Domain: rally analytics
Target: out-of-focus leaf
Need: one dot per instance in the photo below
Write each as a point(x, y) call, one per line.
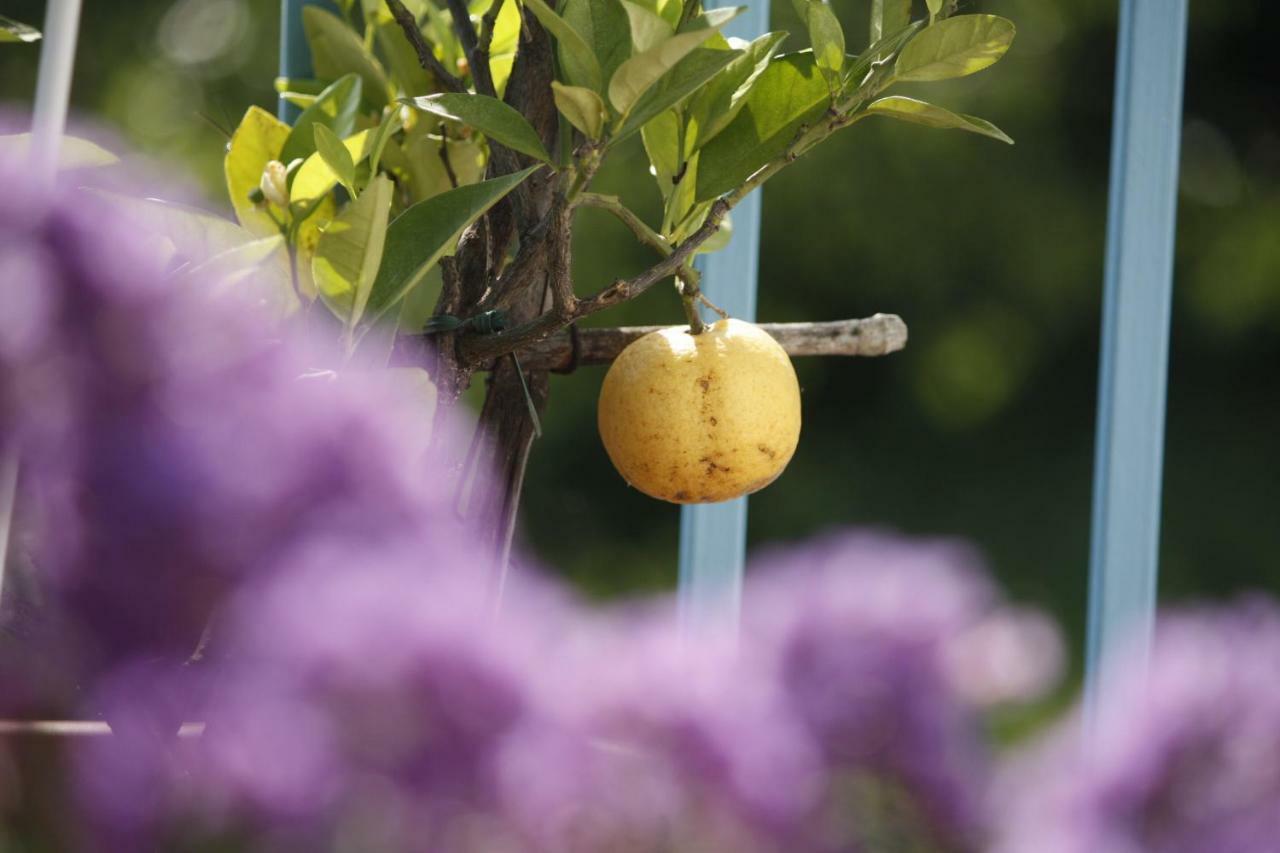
point(577, 58)
point(490, 116)
point(502, 48)
point(337, 108)
point(390, 124)
point(350, 249)
point(954, 47)
point(15, 31)
point(888, 16)
point(791, 92)
point(934, 6)
point(73, 152)
point(420, 236)
point(257, 140)
point(582, 107)
point(336, 50)
point(409, 76)
point(635, 76)
point(336, 156)
point(715, 105)
point(931, 115)
point(192, 234)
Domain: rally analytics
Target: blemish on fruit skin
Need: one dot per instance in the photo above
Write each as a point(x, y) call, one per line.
point(682, 496)
point(705, 383)
point(767, 450)
point(714, 422)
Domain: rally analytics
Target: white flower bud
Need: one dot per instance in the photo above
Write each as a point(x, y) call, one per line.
point(275, 183)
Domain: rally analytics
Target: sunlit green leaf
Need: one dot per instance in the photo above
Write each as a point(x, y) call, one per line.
point(336, 108)
point(931, 115)
point(390, 124)
point(336, 156)
point(257, 140)
point(715, 105)
point(954, 47)
point(790, 93)
point(661, 136)
point(604, 27)
point(420, 236)
point(635, 76)
point(687, 77)
point(826, 35)
point(888, 16)
point(648, 29)
point(934, 6)
point(582, 107)
point(315, 176)
point(503, 46)
point(14, 31)
point(350, 249)
point(492, 117)
point(336, 50)
point(577, 58)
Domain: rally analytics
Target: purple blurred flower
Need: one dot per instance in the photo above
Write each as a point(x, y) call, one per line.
point(1186, 762)
point(861, 631)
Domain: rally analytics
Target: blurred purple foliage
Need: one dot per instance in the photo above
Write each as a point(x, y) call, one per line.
point(189, 463)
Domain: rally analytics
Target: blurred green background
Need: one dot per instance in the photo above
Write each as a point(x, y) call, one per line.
point(983, 427)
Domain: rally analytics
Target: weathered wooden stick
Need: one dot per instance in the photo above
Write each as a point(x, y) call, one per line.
point(879, 334)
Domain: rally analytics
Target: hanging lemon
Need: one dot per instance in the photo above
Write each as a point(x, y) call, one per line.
point(701, 418)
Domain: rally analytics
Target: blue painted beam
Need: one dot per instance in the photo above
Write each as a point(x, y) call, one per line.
point(1129, 459)
point(295, 53)
point(713, 537)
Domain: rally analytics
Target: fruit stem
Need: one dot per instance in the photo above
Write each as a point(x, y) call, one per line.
point(689, 296)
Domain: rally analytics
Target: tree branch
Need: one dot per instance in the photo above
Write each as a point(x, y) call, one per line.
point(877, 335)
point(426, 56)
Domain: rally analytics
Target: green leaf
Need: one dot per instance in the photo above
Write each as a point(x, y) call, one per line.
point(635, 76)
point(605, 27)
point(420, 236)
point(661, 137)
point(390, 124)
point(888, 16)
point(336, 157)
point(503, 45)
point(791, 92)
point(689, 75)
point(315, 176)
point(14, 31)
point(411, 79)
point(582, 107)
point(257, 140)
point(935, 6)
point(73, 152)
point(336, 108)
point(931, 115)
point(350, 249)
point(336, 50)
point(493, 118)
point(648, 29)
point(855, 72)
point(230, 262)
point(826, 35)
point(578, 61)
point(715, 105)
point(954, 47)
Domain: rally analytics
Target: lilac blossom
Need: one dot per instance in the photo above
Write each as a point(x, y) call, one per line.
point(1187, 760)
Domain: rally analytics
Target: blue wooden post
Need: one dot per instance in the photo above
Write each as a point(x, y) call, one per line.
point(295, 54)
point(1135, 338)
point(713, 537)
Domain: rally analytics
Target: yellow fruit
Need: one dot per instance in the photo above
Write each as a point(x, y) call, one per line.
point(701, 418)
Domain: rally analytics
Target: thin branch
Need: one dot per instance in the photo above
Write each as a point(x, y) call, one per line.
point(426, 56)
point(878, 335)
point(642, 232)
point(471, 45)
point(444, 158)
point(484, 77)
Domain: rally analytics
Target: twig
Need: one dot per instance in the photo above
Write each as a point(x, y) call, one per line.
point(426, 56)
point(877, 335)
point(444, 158)
point(480, 70)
